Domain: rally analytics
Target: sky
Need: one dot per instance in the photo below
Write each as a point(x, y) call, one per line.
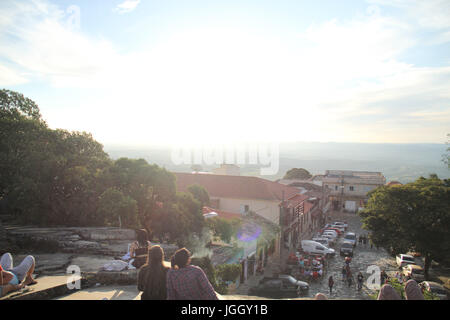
point(152, 72)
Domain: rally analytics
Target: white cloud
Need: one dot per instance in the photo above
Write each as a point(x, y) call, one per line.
point(430, 15)
point(10, 77)
point(127, 6)
point(42, 42)
point(339, 80)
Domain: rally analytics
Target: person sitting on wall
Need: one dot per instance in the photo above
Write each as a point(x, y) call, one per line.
point(139, 248)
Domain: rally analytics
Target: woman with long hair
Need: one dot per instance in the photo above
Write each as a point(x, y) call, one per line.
point(152, 276)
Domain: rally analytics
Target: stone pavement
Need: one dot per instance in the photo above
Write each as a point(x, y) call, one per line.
point(46, 287)
point(363, 257)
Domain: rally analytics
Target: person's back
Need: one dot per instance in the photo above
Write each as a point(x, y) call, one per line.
point(152, 276)
point(187, 282)
point(153, 289)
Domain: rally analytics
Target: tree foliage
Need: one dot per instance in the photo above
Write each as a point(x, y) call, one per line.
point(116, 209)
point(200, 194)
point(414, 216)
point(58, 177)
point(297, 173)
point(223, 228)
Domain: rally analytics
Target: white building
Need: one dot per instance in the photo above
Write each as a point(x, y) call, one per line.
point(349, 188)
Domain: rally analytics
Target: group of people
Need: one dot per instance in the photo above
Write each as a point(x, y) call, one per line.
point(179, 281)
point(310, 268)
point(363, 239)
point(160, 280)
point(15, 278)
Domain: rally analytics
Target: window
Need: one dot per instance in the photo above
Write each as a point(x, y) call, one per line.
point(319, 248)
point(351, 188)
point(335, 188)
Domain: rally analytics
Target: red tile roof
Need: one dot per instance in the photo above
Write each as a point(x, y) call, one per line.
point(222, 214)
point(236, 187)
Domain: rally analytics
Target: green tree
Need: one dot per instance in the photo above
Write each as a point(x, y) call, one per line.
point(114, 206)
point(148, 184)
point(221, 228)
point(414, 216)
point(200, 194)
point(297, 173)
point(15, 103)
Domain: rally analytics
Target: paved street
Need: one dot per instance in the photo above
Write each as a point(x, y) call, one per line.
point(363, 257)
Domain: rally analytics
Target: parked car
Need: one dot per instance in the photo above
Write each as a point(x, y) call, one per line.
point(309, 246)
point(338, 227)
point(279, 287)
point(331, 232)
point(339, 232)
point(412, 271)
point(331, 239)
point(350, 237)
point(326, 242)
point(290, 280)
point(341, 223)
point(331, 227)
point(404, 259)
point(347, 249)
point(435, 288)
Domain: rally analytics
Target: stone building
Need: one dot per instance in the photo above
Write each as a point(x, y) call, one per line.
point(349, 188)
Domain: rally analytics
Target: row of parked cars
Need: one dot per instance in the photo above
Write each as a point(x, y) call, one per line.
point(287, 286)
point(325, 239)
point(329, 234)
point(411, 270)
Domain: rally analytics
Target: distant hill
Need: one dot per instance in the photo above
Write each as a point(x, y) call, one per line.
point(402, 162)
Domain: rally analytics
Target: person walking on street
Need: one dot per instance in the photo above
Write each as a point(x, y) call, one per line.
point(383, 277)
point(330, 283)
point(349, 278)
point(344, 273)
point(360, 281)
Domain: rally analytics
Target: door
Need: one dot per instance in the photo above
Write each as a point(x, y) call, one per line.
point(350, 206)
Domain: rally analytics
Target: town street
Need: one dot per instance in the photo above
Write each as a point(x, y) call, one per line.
point(363, 257)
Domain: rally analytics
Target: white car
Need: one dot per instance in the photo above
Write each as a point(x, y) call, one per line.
point(435, 288)
point(330, 238)
point(404, 259)
point(332, 232)
point(339, 223)
point(326, 242)
point(314, 247)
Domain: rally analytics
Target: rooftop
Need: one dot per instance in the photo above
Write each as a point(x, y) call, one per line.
point(236, 187)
